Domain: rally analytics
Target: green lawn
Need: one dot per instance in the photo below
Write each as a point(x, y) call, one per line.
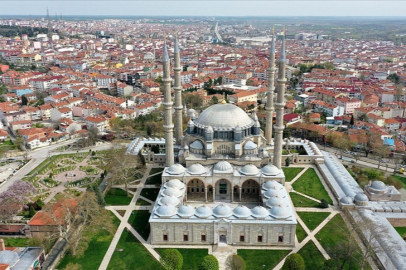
point(291, 172)
point(150, 193)
point(313, 219)
point(401, 231)
point(131, 254)
point(142, 202)
point(154, 180)
point(139, 221)
point(93, 255)
point(191, 257)
point(300, 233)
point(310, 184)
point(400, 179)
point(300, 201)
point(117, 196)
point(256, 258)
point(156, 170)
point(312, 256)
point(336, 234)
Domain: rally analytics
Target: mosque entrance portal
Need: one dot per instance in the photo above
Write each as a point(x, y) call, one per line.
point(223, 237)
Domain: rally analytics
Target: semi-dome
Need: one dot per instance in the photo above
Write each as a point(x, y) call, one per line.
point(275, 201)
point(203, 211)
point(260, 212)
point(250, 145)
point(220, 116)
point(172, 192)
point(346, 200)
point(197, 145)
point(242, 211)
point(280, 212)
point(222, 210)
point(272, 184)
point(166, 210)
point(174, 183)
point(196, 169)
point(270, 170)
point(169, 200)
point(378, 185)
point(175, 169)
point(186, 211)
point(249, 169)
point(223, 166)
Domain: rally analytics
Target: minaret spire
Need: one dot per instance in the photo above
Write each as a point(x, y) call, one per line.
point(168, 125)
point(178, 93)
point(270, 92)
point(279, 105)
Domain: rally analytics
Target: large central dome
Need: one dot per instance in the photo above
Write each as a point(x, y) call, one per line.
point(224, 116)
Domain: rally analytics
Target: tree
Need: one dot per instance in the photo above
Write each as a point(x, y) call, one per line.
point(235, 262)
point(294, 262)
point(24, 100)
point(399, 92)
point(323, 203)
point(171, 259)
point(352, 120)
point(19, 142)
point(382, 151)
point(214, 100)
point(209, 262)
point(329, 265)
point(394, 78)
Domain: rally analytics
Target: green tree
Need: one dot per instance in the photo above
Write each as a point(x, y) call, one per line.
point(171, 259)
point(294, 262)
point(352, 120)
point(235, 262)
point(32, 211)
point(209, 262)
point(24, 100)
point(214, 100)
point(394, 78)
point(323, 203)
point(329, 265)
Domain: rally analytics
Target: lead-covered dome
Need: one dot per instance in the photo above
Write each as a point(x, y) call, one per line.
point(275, 201)
point(260, 212)
point(378, 185)
point(223, 166)
point(280, 212)
point(186, 211)
point(272, 184)
point(174, 183)
point(222, 210)
point(196, 169)
point(270, 170)
point(220, 116)
point(249, 169)
point(175, 169)
point(242, 211)
point(169, 200)
point(203, 211)
point(166, 210)
point(172, 192)
point(274, 193)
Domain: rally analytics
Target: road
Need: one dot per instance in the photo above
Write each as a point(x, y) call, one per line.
point(39, 155)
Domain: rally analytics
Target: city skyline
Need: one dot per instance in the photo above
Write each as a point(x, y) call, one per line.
point(204, 8)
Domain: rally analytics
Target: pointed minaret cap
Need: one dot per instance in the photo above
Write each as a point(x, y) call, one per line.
point(273, 41)
point(282, 54)
point(176, 49)
point(166, 56)
point(224, 101)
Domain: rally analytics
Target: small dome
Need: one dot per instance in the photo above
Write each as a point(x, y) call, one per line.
point(361, 199)
point(169, 201)
point(203, 211)
point(275, 201)
point(272, 184)
point(346, 200)
point(175, 169)
point(222, 210)
point(260, 212)
point(223, 166)
point(270, 170)
point(186, 211)
point(280, 212)
point(174, 183)
point(166, 210)
point(242, 211)
point(172, 192)
point(378, 185)
point(196, 145)
point(274, 193)
point(249, 169)
point(250, 145)
point(196, 169)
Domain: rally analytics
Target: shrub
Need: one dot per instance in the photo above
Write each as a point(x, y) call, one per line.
point(209, 263)
point(235, 262)
point(323, 203)
point(329, 265)
point(294, 262)
point(171, 259)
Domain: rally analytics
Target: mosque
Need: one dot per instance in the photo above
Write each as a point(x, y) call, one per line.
point(227, 186)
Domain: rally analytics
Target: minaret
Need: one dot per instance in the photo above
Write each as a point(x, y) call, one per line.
point(168, 125)
point(270, 92)
point(178, 94)
point(279, 105)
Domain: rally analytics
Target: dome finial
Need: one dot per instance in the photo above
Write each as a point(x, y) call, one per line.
point(224, 99)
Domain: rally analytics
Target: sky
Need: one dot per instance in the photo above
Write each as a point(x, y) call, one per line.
point(206, 8)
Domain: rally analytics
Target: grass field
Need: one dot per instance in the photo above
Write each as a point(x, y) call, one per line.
point(310, 184)
point(142, 202)
point(313, 219)
point(156, 170)
point(154, 180)
point(300, 233)
point(401, 231)
point(139, 221)
point(131, 254)
point(400, 179)
point(300, 201)
point(191, 257)
point(255, 259)
point(312, 256)
point(117, 196)
point(291, 172)
point(150, 193)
